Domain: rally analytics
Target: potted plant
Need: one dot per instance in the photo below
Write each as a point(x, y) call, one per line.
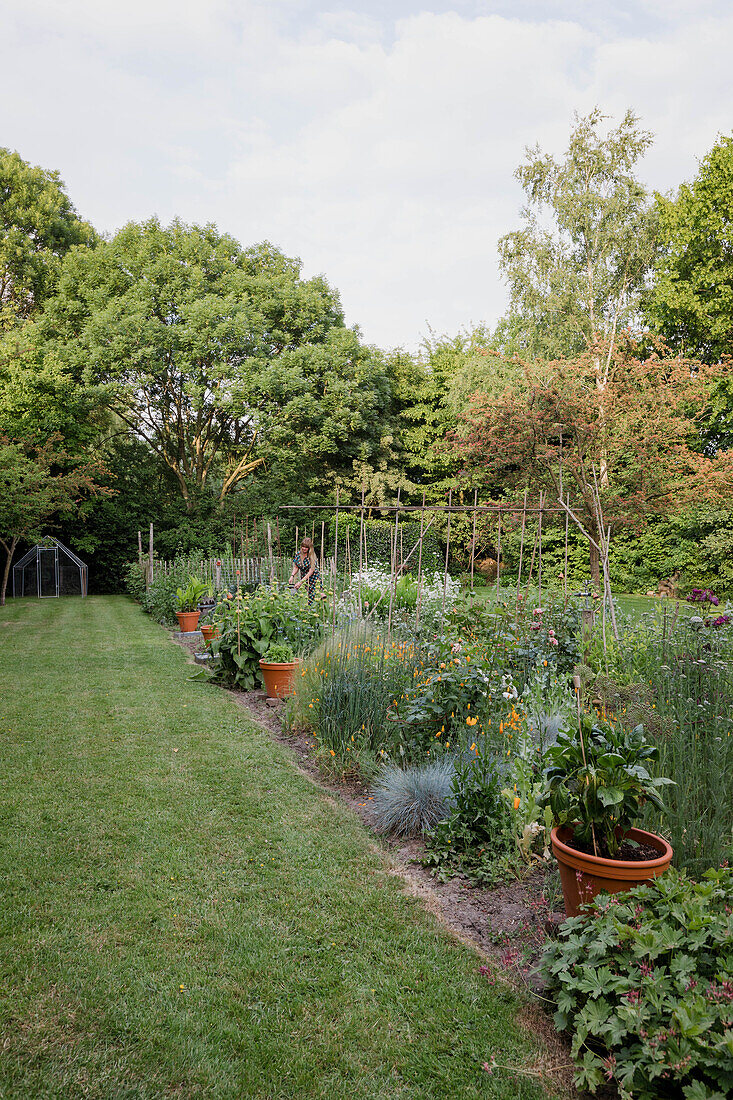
point(596, 785)
point(210, 627)
point(187, 604)
point(278, 670)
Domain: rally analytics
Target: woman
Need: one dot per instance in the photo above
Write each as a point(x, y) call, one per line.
point(305, 562)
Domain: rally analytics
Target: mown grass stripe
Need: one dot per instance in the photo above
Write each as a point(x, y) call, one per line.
point(186, 915)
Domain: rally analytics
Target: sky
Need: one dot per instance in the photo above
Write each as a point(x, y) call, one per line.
point(376, 140)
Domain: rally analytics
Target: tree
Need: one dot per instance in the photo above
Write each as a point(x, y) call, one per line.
point(644, 427)
point(575, 286)
point(577, 290)
point(37, 483)
point(431, 392)
point(38, 226)
point(216, 356)
point(691, 302)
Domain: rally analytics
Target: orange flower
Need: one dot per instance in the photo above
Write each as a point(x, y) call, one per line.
point(516, 802)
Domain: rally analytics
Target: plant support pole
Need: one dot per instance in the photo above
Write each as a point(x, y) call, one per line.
point(447, 552)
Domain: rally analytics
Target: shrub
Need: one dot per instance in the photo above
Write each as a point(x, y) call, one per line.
point(135, 581)
point(347, 688)
point(409, 801)
point(645, 986)
point(251, 623)
point(476, 838)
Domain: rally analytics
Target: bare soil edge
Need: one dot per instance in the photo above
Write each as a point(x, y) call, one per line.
point(485, 920)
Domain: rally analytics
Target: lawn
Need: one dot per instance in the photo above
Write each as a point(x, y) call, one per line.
point(186, 915)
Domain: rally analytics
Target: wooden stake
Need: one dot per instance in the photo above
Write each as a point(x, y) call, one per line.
point(498, 557)
point(335, 558)
point(521, 549)
point(361, 558)
point(269, 552)
point(539, 551)
point(473, 540)
point(140, 548)
point(394, 564)
point(419, 563)
point(447, 552)
point(150, 557)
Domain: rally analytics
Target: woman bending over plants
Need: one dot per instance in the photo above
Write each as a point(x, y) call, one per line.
point(305, 562)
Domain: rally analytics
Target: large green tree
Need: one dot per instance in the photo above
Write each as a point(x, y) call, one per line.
point(38, 483)
point(577, 267)
point(38, 226)
point(221, 358)
point(691, 302)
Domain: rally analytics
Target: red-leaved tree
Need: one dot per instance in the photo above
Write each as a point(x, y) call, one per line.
point(636, 441)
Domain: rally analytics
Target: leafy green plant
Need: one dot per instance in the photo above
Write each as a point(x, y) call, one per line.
point(452, 692)
point(597, 781)
point(476, 838)
point(644, 983)
point(281, 653)
point(188, 598)
point(408, 801)
point(135, 581)
point(678, 681)
point(250, 623)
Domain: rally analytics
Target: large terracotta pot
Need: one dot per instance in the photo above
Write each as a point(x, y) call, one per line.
point(279, 678)
point(188, 621)
point(583, 876)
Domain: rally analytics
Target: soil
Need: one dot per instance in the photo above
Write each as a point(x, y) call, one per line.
point(507, 925)
point(629, 851)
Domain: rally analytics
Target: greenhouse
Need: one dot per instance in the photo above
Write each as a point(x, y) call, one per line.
point(49, 570)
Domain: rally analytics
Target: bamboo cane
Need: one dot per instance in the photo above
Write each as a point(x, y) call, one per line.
point(394, 564)
point(419, 563)
point(447, 552)
point(473, 539)
point(335, 558)
point(361, 557)
point(521, 551)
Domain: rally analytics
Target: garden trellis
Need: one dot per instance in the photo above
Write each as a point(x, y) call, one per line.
point(262, 558)
point(49, 570)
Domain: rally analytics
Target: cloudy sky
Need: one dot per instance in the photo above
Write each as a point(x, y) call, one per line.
point(375, 139)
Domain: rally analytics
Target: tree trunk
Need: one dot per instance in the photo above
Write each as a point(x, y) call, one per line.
point(10, 550)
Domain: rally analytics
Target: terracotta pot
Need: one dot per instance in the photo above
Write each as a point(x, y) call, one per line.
point(188, 621)
point(209, 631)
point(279, 678)
point(583, 876)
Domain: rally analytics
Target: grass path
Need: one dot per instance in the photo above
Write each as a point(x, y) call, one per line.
point(185, 915)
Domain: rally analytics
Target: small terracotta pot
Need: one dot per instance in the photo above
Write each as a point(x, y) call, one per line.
point(188, 621)
point(279, 678)
point(583, 876)
point(209, 631)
